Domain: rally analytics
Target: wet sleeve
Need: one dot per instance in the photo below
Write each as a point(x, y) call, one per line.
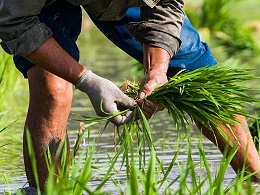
point(21, 32)
point(160, 25)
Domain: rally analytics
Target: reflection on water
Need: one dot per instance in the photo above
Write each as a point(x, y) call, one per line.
point(104, 59)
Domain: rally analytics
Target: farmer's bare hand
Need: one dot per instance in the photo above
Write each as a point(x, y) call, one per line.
point(149, 108)
point(153, 79)
point(156, 62)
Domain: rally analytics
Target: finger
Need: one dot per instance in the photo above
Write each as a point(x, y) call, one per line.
point(147, 115)
point(140, 102)
point(155, 106)
point(122, 119)
point(119, 119)
point(149, 108)
point(148, 88)
point(145, 91)
point(125, 101)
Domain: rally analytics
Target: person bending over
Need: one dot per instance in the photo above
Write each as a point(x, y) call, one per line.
point(42, 34)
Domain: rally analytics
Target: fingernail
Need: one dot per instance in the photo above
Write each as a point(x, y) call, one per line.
point(141, 95)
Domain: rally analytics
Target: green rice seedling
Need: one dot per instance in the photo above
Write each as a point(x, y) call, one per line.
point(4, 128)
point(166, 173)
point(89, 121)
point(6, 192)
point(150, 178)
point(4, 62)
point(241, 185)
point(216, 12)
point(72, 177)
point(132, 128)
point(11, 82)
point(186, 172)
point(210, 14)
point(213, 184)
point(196, 184)
point(254, 130)
point(237, 39)
point(217, 185)
point(131, 171)
point(206, 95)
point(203, 94)
point(210, 182)
point(108, 175)
point(221, 25)
point(184, 87)
point(138, 174)
point(145, 180)
point(33, 160)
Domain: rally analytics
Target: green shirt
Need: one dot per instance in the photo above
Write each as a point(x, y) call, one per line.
point(21, 31)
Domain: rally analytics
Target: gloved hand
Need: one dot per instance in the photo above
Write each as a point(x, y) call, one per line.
point(100, 89)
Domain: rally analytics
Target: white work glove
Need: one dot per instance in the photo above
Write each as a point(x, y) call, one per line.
point(113, 99)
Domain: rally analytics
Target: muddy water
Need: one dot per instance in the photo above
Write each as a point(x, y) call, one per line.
point(103, 58)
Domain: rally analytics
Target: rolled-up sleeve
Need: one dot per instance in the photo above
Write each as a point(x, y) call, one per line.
point(21, 32)
point(160, 25)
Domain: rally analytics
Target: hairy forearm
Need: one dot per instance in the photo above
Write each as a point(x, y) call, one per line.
point(156, 63)
point(155, 58)
point(53, 58)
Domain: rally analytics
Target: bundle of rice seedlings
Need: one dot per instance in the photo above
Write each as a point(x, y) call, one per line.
point(206, 94)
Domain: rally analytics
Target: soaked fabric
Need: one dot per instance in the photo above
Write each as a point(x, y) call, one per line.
point(192, 54)
point(65, 22)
